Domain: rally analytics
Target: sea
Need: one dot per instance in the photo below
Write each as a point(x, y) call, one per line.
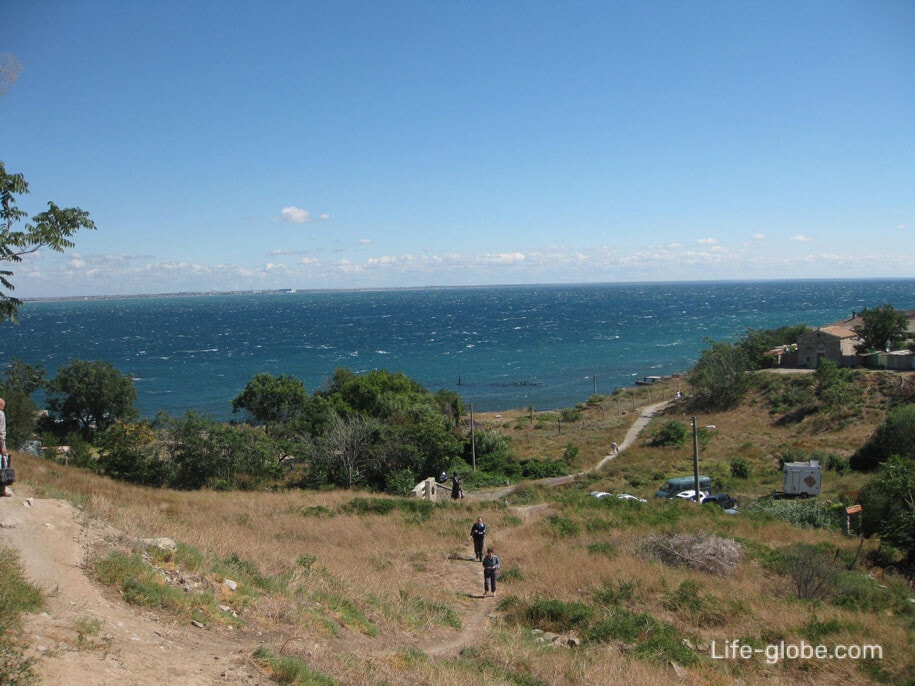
point(499, 347)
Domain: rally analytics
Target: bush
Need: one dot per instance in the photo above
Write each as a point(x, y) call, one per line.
point(836, 463)
point(557, 615)
point(804, 513)
point(740, 468)
point(698, 608)
point(654, 640)
point(16, 597)
point(672, 434)
point(812, 570)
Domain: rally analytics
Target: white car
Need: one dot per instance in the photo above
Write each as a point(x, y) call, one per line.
point(691, 495)
point(621, 496)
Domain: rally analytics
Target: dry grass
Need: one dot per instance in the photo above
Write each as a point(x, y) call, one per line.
point(401, 574)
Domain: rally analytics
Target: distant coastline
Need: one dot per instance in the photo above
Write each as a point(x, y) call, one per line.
point(429, 287)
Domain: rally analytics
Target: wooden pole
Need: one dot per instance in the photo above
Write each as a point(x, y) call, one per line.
point(473, 443)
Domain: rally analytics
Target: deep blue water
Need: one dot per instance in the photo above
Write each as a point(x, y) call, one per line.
point(499, 347)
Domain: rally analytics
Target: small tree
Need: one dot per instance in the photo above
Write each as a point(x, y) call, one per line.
point(272, 399)
point(888, 505)
point(671, 434)
point(896, 436)
point(20, 381)
point(90, 396)
point(717, 379)
point(881, 326)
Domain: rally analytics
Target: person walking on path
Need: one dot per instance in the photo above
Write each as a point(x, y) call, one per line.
point(478, 533)
point(490, 572)
point(4, 456)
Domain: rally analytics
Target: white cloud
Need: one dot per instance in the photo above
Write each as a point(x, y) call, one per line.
point(801, 238)
point(759, 236)
point(365, 241)
point(707, 241)
point(503, 258)
point(294, 215)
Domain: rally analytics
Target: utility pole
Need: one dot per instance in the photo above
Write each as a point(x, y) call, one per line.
point(696, 458)
point(473, 443)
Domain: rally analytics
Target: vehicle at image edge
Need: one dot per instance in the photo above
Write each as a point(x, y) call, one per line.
point(620, 496)
point(675, 486)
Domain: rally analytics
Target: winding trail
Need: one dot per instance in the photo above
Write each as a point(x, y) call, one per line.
point(645, 416)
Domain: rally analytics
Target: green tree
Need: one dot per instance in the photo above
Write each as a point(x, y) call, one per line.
point(895, 436)
point(718, 379)
point(131, 452)
point(52, 229)
point(451, 405)
point(20, 381)
point(90, 396)
point(272, 399)
point(880, 326)
point(671, 434)
point(888, 505)
point(757, 342)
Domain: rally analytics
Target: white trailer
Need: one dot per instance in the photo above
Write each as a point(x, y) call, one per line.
point(801, 479)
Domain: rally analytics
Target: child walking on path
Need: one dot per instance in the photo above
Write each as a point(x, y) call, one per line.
point(490, 572)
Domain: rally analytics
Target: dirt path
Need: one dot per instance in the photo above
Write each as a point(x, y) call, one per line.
point(82, 636)
point(86, 635)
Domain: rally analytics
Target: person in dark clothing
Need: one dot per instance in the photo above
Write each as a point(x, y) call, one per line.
point(478, 533)
point(490, 572)
point(456, 491)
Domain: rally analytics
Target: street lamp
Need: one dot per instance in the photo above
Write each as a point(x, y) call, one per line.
point(696, 458)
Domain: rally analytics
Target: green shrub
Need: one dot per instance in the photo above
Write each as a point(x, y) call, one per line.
point(654, 640)
point(740, 468)
point(17, 596)
point(836, 463)
point(605, 549)
point(815, 630)
point(672, 434)
point(803, 513)
point(511, 574)
point(557, 615)
point(610, 595)
point(696, 607)
point(291, 669)
point(563, 525)
point(541, 469)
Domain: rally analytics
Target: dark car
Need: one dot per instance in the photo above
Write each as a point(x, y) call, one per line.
point(723, 500)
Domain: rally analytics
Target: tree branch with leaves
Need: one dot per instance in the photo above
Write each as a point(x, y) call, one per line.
point(52, 229)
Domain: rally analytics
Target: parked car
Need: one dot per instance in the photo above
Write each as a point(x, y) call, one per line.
point(621, 496)
point(691, 495)
point(723, 500)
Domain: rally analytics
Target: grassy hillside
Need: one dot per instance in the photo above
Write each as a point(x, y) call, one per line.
point(352, 588)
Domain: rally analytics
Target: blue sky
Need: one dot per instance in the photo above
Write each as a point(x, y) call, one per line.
point(223, 145)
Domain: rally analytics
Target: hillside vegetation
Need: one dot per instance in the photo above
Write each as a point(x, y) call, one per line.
point(353, 587)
